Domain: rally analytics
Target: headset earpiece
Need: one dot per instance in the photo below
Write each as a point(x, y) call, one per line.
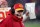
point(12, 11)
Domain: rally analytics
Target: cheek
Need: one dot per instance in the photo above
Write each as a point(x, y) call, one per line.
point(21, 13)
point(16, 12)
point(2, 5)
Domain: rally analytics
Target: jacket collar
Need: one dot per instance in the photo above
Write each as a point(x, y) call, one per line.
point(16, 18)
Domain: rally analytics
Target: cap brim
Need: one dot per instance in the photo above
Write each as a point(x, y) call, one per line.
point(19, 9)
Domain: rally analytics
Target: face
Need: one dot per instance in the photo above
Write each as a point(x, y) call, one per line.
point(4, 5)
point(18, 14)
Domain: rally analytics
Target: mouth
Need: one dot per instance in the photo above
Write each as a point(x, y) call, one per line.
point(18, 15)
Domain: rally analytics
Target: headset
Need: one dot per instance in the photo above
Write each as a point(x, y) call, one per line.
point(12, 10)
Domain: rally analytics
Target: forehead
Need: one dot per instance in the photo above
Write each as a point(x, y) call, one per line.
point(3, 3)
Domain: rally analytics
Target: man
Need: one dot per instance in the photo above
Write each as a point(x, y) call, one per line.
point(15, 18)
point(3, 4)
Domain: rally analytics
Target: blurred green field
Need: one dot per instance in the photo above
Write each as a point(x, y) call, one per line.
point(32, 24)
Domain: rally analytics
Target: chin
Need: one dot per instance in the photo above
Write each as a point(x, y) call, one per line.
point(19, 17)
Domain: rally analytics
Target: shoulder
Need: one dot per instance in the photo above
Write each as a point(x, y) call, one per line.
point(7, 19)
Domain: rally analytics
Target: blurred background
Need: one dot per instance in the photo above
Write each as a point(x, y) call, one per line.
point(28, 22)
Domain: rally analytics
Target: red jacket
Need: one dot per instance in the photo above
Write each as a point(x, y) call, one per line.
point(12, 21)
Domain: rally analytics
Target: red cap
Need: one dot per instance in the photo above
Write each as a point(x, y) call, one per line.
point(18, 7)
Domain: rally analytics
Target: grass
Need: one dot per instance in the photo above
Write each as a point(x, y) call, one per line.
point(32, 24)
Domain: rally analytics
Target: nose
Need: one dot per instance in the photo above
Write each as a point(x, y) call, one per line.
point(20, 12)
